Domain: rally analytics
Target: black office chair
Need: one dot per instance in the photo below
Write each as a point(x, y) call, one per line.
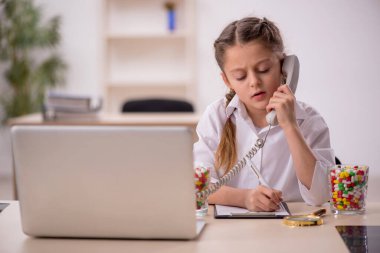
point(337, 161)
point(157, 105)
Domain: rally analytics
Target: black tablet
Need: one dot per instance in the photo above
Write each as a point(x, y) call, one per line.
point(360, 238)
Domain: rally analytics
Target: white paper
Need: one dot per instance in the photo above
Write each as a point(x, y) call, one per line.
point(232, 210)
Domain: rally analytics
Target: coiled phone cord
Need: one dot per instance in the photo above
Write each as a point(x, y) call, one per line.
point(235, 170)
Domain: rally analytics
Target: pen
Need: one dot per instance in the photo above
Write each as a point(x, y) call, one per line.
point(262, 180)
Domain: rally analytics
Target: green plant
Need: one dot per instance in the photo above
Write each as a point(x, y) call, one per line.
point(28, 61)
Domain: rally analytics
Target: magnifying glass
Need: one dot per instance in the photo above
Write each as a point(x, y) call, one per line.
point(311, 219)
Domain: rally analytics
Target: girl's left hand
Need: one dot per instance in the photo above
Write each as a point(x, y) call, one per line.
point(283, 102)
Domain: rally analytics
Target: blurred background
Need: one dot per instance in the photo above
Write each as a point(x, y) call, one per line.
point(126, 49)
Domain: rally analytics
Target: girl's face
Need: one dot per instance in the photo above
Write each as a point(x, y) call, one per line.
point(254, 73)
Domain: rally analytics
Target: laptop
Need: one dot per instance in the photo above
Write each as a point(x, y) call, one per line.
point(106, 181)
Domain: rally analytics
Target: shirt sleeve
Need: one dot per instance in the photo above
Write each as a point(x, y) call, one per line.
point(208, 129)
point(316, 134)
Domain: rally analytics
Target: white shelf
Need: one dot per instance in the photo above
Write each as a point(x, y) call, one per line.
point(142, 16)
point(142, 57)
point(143, 36)
point(130, 83)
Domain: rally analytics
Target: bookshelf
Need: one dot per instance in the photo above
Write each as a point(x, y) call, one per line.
point(142, 57)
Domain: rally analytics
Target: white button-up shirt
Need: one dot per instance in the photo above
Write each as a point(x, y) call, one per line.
point(277, 164)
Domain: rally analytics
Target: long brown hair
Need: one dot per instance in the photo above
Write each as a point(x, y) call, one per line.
point(241, 32)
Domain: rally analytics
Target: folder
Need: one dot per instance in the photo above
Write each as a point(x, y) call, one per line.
point(232, 212)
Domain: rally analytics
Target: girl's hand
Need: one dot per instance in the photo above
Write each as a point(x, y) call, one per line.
point(262, 199)
point(282, 102)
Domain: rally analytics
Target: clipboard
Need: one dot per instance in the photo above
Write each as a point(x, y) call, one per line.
point(231, 212)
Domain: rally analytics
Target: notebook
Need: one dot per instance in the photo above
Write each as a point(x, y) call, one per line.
point(232, 212)
point(106, 181)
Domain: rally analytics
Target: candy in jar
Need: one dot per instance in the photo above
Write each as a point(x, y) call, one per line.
point(202, 179)
point(348, 185)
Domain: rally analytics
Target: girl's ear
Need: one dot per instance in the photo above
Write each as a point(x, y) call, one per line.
point(225, 80)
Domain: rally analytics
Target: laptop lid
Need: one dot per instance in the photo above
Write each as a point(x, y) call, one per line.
point(105, 181)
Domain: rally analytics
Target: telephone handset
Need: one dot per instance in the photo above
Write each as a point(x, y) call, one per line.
point(291, 68)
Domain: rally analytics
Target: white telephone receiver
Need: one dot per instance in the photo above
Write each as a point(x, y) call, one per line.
point(291, 68)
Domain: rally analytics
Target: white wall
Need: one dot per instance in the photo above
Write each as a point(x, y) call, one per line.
point(81, 45)
point(336, 42)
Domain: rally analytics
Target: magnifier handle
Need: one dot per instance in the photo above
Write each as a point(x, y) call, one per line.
point(320, 212)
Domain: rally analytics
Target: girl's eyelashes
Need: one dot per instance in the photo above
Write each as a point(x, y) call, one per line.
point(240, 78)
point(265, 70)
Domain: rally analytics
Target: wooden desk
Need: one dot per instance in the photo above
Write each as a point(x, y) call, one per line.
point(230, 236)
point(125, 119)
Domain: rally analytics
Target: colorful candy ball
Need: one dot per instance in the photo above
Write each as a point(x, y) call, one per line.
point(348, 186)
point(202, 180)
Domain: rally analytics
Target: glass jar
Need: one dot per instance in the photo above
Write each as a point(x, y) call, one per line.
point(348, 188)
point(202, 180)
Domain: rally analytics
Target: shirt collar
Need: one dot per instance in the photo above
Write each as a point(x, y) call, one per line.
point(235, 103)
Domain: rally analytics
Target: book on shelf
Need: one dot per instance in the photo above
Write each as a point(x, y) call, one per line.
point(69, 116)
point(59, 106)
point(68, 101)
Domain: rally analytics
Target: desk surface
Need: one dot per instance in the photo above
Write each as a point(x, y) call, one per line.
point(229, 235)
point(146, 119)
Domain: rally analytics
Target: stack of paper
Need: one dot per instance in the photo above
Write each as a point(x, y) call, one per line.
point(59, 106)
point(237, 212)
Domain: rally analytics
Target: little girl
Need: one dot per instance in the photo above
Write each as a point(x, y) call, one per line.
point(297, 152)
